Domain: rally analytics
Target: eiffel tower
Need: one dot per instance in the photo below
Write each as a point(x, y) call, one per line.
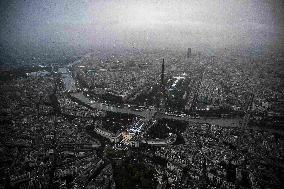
point(162, 103)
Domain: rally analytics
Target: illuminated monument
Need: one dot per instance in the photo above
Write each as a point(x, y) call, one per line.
point(162, 87)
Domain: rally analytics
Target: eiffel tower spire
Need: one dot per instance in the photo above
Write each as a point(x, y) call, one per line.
point(162, 87)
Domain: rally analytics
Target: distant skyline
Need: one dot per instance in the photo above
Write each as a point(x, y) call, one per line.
point(144, 24)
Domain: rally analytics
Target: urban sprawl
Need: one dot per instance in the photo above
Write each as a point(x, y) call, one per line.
point(147, 119)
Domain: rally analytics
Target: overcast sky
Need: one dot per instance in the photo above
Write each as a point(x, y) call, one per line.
point(142, 24)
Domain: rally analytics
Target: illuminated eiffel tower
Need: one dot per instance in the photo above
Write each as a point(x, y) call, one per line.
point(162, 89)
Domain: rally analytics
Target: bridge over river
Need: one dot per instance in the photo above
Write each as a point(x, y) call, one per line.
point(150, 113)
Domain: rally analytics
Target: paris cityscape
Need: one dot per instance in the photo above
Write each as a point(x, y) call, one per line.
point(122, 111)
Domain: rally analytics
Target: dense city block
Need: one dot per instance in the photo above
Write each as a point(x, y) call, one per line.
point(130, 120)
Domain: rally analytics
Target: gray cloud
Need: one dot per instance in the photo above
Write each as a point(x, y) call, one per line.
point(212, 23)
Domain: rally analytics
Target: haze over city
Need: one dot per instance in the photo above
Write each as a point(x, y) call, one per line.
point(128, 94)
point(204, 24)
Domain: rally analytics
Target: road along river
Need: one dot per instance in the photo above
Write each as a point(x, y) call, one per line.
point(71, 88)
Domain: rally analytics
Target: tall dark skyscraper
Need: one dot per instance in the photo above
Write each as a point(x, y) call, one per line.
point(188, 53)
